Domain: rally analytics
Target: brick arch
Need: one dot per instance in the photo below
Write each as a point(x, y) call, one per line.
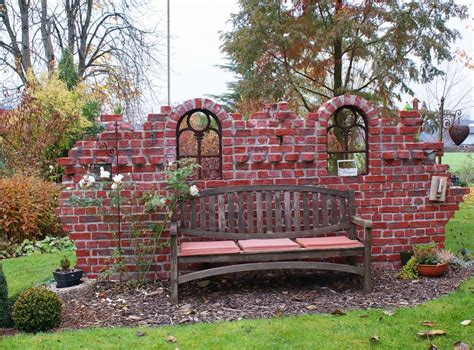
point(197, 103)
point(177, 112)
point(328, 108)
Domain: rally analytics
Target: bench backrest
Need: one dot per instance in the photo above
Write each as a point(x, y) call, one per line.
point(267, 212)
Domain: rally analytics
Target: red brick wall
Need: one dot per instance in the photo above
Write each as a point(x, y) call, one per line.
point(272, 147)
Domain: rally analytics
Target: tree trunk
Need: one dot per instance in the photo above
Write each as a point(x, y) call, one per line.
point(71, 12)
point(337, 88)
point(46, 35)
point(24, 6)
point(13, 47)
point(83, 40)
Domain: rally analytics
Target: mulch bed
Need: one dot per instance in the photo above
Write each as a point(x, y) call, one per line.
point(249, 295)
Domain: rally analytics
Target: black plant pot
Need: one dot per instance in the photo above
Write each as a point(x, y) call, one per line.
point(67, 279)
point(405, 256)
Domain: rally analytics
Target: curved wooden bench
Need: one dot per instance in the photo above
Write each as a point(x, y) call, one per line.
point(268, 227)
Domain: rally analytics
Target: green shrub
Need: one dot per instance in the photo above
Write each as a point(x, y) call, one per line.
point(27, 209)
point(409, 271)
point(47, 245)
point(37, 310)
point(4, 302)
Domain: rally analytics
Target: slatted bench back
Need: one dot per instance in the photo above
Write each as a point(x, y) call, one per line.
point(267, 212)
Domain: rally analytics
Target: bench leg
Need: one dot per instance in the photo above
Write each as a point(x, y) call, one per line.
point(174, 271)
point(368, 261)
point(174, 283)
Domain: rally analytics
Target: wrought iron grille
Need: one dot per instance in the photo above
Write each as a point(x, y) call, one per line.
point(348, 139)
point(199, 138)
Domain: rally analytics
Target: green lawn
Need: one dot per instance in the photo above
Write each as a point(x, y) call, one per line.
point(462, 223)
point(300, 332)
point(303, 332)
point(28, 271)
point(455, 160)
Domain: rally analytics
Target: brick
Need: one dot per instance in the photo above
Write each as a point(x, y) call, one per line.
point(291, 157)
point(241, 158)
point(111, 118)
point(66, 161)
point(274, 158)
point(308, 157)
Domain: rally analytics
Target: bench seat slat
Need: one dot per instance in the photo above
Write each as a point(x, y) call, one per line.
point(202, 213)
point(250, 212)
point(268, 211)
point(212, 213)
point(240, 212)
point(287, 211)
point(296, 209)
point(278, 211)
point(259, 212)
point(305, 211)
point(231, 212)
point(221, 213)
point(334, 216)
point(315, 210)
point(324, 211)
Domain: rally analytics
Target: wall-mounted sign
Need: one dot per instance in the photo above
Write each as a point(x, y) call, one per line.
point(346, 167)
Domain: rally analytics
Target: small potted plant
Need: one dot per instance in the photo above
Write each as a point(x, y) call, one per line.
point(431, 261)
point(65, 276)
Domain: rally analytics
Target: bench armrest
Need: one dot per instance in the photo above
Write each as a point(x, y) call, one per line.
point(361, 222)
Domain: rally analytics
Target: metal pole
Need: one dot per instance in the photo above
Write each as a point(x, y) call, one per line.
point(441, 124)
point(169, 63)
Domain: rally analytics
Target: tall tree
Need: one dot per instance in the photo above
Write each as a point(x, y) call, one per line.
point(307, 51)
point(111, 50)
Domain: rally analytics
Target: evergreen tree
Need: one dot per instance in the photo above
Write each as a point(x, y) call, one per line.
point(67, 70)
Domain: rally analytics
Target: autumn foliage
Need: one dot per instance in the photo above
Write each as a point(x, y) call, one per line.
point(42, 126)
point(27, 209)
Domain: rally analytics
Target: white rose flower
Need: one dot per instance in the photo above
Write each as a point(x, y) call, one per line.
point(104, 174)
point(194, 191)
point(114, 186)
point(118, 178)
point(82, 183)
point(51, 167)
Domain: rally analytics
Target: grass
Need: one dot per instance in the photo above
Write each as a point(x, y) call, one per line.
point(28, 271)
point(455, 160)
point(462, 225)
point(352, 331)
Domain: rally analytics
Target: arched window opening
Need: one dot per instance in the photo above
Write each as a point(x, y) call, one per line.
point(199, 138)
point(347, 139)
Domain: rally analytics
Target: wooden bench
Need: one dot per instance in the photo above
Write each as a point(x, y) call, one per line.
point(268, 227)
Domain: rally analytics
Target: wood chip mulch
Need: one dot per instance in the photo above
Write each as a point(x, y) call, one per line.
point(247, 295)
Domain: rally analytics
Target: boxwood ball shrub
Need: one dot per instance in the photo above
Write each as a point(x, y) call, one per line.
point(4, 302)
point(37, 310)
point(27, 209)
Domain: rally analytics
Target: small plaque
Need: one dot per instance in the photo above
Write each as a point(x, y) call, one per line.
point(346, 167)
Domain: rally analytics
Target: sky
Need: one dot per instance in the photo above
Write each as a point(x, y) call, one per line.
point(195, 50)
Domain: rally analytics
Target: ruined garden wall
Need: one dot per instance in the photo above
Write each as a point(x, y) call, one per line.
point(271, 147)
